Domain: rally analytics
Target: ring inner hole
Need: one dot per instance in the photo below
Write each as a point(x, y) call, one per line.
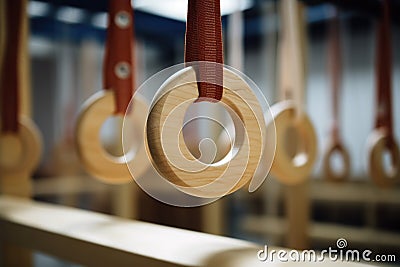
point(336, 162)
point(111, 138)
point(208, 131)
point(294, 146)
point(388, 163)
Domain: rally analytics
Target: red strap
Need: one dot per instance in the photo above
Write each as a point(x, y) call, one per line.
point(10, 81)
point(119, 54)
point(335, 65)
point(204, 43)
point(383, 71)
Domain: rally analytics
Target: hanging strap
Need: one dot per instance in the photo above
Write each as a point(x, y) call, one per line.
point(383, 72)
point(204, 43)
point(292, 53)
point(119, 53)
point(10, 82)
point(335, 64)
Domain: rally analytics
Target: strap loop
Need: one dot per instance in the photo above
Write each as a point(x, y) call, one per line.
point(119, 53)
point(10, 80)
point(204, 43)
point(384, 72)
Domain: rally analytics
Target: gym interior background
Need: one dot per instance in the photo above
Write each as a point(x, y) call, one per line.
point(66, 45)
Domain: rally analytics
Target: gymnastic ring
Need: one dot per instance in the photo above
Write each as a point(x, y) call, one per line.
point(173, 160)
point(284, 167)
point(20, 152)
point(331, 175)
point(103, 166)
point(377, 143)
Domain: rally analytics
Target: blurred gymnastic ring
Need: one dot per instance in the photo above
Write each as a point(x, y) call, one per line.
point(378, 143)
point(20, 152)
point(287, 169)
point(330, 174)
point(172, 158)
point(96, 160)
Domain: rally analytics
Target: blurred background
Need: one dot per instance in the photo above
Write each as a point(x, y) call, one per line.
point(66, 51)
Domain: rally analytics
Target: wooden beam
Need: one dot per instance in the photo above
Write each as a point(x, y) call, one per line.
point(268, 226)
point(353, 192)
point(95, 239)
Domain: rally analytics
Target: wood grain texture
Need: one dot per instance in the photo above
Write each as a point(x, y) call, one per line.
point(173, 159)
point(287, 169)
point(378, 143)
point(95, 159)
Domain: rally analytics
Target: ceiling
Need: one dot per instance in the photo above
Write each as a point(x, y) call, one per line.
point(77, 19)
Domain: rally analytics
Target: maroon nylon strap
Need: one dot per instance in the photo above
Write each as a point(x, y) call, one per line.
point(10, 82)
point(204, 43)
point(118, 71)
point(335, 65)
point(383, 72)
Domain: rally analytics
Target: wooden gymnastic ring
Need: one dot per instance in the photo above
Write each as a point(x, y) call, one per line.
point(377, 143)
point(172, 158)
point(331, 175)
point(95, 159)
point(283, 166)
point(20, 152)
